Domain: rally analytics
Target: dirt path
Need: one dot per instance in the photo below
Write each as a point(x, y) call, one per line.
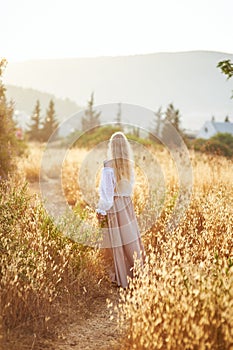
point(92, 329)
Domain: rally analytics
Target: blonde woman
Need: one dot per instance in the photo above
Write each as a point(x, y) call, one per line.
point(122, 237)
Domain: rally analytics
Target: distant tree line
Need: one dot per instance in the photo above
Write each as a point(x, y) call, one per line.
point(90, 122)
point(41, 129)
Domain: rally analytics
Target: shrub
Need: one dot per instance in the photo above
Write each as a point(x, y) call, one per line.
point(224, 138)
point(144, 142)
point(103, 133)
point(7, 130)
point(219, 144)
point(9, 145)
point(216, 147)
point(198, 143)
point(98, 135)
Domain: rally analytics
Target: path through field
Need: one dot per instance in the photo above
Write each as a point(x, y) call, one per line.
point(92, 329)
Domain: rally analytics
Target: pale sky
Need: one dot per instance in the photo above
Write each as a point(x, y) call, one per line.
point(31, 29)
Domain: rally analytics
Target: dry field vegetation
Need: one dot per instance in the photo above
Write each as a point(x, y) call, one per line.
point(44, 275)
point(183, 296)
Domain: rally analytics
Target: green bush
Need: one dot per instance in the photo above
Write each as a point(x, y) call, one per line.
point(198, 144)
point(98, 135)
point(224, 138)
point(217, 148)
point(144, 142)
point(219, 144)
point(9, 145)
point(103, 133)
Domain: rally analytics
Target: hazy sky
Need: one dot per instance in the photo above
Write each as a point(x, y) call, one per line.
point(32, 29)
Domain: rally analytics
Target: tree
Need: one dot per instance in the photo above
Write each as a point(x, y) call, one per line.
point(91, 118)
point(35, 128)
point(50, 123)
point(172, 115)
point(8, 141)
point(171, 121)
point(157, 125)
point(227, 120)
point(226, 67)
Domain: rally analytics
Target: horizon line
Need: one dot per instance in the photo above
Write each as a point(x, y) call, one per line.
point(115, 56)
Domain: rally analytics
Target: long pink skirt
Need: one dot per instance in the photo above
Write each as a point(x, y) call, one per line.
point(123, 238)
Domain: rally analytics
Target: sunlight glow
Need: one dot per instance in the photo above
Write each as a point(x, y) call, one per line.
point(74, 28)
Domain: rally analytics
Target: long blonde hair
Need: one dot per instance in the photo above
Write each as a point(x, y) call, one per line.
point(121, 156)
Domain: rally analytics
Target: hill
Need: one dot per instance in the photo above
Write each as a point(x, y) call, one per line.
point(25, 100)
point(188, 79)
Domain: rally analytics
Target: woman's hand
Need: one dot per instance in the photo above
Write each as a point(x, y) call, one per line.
point(102, 219)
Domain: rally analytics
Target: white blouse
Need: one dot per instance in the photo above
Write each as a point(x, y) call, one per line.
point(109, 188)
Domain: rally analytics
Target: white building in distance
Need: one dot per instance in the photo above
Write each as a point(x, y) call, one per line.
point(211, 128)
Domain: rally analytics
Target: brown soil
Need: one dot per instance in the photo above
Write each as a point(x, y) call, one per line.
point(83, 329)
point(93, 331)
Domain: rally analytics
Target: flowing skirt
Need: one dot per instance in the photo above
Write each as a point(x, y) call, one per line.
point(123, 239)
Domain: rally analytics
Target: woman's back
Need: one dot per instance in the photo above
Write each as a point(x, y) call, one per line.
point(122, 235)
point(122, 187)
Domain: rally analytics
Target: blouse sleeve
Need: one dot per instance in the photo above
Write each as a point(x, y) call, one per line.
point(106, 190)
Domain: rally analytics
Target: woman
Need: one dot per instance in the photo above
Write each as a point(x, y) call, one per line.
point(123, 237)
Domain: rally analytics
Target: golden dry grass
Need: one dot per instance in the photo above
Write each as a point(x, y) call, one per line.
point(42, 273)
point(183, 297)
point(29, 164)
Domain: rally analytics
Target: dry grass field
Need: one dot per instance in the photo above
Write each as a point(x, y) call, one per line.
point(183, 296)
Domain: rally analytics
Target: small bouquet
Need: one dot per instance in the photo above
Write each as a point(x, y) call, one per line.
point(102, 218)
